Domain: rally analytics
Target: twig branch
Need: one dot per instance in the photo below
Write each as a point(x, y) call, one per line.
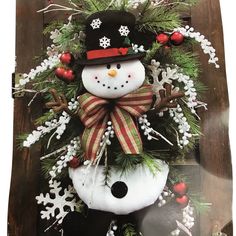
point(167, 98)
point(59, 104)
point(59, 8)
point(54, 153)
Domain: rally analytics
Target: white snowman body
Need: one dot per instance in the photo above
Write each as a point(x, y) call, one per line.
point(143, 187)
point(113, 81)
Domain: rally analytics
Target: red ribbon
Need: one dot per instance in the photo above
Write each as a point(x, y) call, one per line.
point(95, 113)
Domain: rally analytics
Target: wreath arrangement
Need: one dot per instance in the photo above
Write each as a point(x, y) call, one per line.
point(120, 84)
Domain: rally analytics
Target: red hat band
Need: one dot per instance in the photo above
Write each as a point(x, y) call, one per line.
point(103, 53)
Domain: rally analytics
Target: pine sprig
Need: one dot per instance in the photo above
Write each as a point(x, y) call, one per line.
point(126, 163)
point(157, 19)
point(187, 61)
point(53, 26)
point(129, 230)
point(45, 117)
point(107, 175)
point(199, 203)
point(152, 52)
point(96, 5)
point(20, 140)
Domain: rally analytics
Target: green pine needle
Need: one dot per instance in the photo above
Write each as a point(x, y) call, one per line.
point(187, 61)
point(129, 230)
point(126, 163)
point(45, 117)
point(158, 19)
point(20, 140)
point(152, 52)
point(200, 205)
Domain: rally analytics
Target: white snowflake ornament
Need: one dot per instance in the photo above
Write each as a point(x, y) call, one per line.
point(57, 202)
point(105, 42)
point(96, 23)
point(124, 30)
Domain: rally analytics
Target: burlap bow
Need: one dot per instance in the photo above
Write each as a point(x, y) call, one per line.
point(95, 113)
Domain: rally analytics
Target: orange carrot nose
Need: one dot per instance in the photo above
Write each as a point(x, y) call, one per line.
point(112, 73)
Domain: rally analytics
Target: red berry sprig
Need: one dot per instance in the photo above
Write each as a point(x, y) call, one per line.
point(182, 201)
point(67, 58)
point(63, 73)
point(66, 75)
point(181, 189)
point(175, 39)
point(74, 163)
point(162, 38)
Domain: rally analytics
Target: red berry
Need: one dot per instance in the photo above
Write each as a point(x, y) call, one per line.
point(69, 75)
point(59, 72)
point(162, 38)
point(176, 38)
point(180, 188)
point(66, 58)
point(74, 163)
point(183, 201)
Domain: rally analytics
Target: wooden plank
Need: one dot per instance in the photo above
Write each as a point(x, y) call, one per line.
point(216, 170)
point(25, 170)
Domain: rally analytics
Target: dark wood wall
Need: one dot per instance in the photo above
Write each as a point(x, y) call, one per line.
point(215, 174)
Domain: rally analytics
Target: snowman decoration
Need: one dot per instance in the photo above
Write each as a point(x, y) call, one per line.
point(117, 95)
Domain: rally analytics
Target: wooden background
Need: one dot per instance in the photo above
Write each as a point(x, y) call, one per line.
point(214, 175)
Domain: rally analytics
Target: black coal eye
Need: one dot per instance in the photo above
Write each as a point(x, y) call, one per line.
point(108, 66)
point(118, 66)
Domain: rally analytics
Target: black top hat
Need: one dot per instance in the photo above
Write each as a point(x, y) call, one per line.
point(107, 38)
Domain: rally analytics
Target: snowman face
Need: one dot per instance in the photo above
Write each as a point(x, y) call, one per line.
point(113, 80)
point(124, 193)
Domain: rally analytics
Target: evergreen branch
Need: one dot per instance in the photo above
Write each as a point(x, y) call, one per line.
point(129, 230)
point(52, 26)
point(157, 19)
point(45, 117)
point(187, 61)
point(107, 175)
point(19, 141)
point(126, 163)
point(199, 204)
point(152, 52)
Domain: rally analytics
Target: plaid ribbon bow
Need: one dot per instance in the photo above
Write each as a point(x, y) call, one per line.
point(95, 113)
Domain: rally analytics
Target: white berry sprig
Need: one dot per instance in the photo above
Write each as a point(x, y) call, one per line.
point(165, 196)
point(71, 152)
point(59, 125)
point(150, 132)
point(49, 63)
point(183, 126)
point(206, 45)
point(187, 223)
point(112, 228)
point(106, 140)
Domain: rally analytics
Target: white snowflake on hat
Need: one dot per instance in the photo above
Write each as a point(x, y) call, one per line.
point(124, 30)
point(96, 23)
point(105, 42)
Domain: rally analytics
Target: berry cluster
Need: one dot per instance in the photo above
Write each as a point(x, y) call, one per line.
point(180, 189)
point(175, 39)
point(64, 73)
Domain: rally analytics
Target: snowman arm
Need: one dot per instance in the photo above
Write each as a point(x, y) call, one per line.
point(59, 104)
point(168, 98)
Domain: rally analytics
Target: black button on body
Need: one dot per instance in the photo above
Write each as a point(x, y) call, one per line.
point(119, 189)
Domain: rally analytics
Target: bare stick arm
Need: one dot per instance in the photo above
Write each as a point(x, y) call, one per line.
point(59, 104)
